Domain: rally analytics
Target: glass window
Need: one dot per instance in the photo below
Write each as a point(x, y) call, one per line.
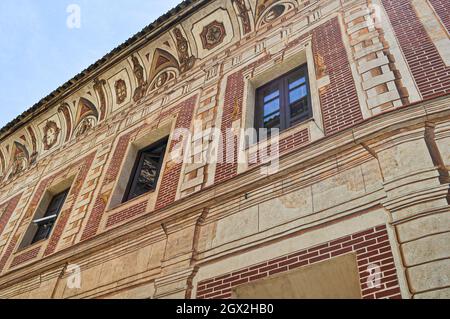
point(146, 170)
point(47, 222)
point(284, 102)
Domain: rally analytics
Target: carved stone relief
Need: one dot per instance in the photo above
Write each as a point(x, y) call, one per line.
point(51, 134)
point(121, 91)
point(213, 35)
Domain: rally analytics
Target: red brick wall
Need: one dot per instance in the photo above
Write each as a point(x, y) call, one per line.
point(339, 100)
point(27, 256)
point(74, 192)
point(427, 67)
point(371, 247)
point(171, 176)
point(9, 208)
point(84, 165)
point(442, 8)
point(111, 174)
point(286, 145)
point(126, 214)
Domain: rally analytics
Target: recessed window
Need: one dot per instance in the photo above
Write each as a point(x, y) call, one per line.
point(45, 224)
point(145, 174)
point(284, 102)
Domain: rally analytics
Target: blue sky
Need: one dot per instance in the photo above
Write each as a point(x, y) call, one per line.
point(38, 52)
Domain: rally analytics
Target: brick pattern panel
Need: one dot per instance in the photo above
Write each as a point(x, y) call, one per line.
point(371, 247)
point(6, 211)
point(111, 174)
point(339, 100)
point(25, 257)
point(427, 67)
point(171, 176)
point(232, 110)
point(75, 191)
point(7, 253)
point(85, 164)
point(286, 145)
point(126, 214)
point(442, 8)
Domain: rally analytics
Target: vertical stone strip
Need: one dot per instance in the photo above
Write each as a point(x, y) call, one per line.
point(381, 81)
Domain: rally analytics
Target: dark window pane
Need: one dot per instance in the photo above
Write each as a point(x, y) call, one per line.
point(54, 209)
point(146, 176)
point(299, 111)
point(146, 172)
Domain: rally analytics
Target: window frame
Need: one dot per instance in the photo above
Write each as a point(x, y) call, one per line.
point(282, 83)
point(45, 221)
point(137, 167)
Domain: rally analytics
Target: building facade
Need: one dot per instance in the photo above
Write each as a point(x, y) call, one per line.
point(141, 178)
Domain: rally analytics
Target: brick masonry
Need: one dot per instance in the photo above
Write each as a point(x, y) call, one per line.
point(84, 165)
point(171, 175)
point(6, 211)
point(429, 70)
point(339, 100)
point(111, 174)
point(286, 145)
point(371, 246)
point(442, 8)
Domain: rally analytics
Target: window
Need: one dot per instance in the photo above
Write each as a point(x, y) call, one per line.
point(284, 102)
point(47, 222)
point(147, 167)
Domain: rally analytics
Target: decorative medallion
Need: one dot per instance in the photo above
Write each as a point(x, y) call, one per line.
point(186, 61)
point(51, 133)
point(212, 35)
point(121, 91)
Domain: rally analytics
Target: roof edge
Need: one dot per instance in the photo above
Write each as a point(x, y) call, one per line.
point(148, 33)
